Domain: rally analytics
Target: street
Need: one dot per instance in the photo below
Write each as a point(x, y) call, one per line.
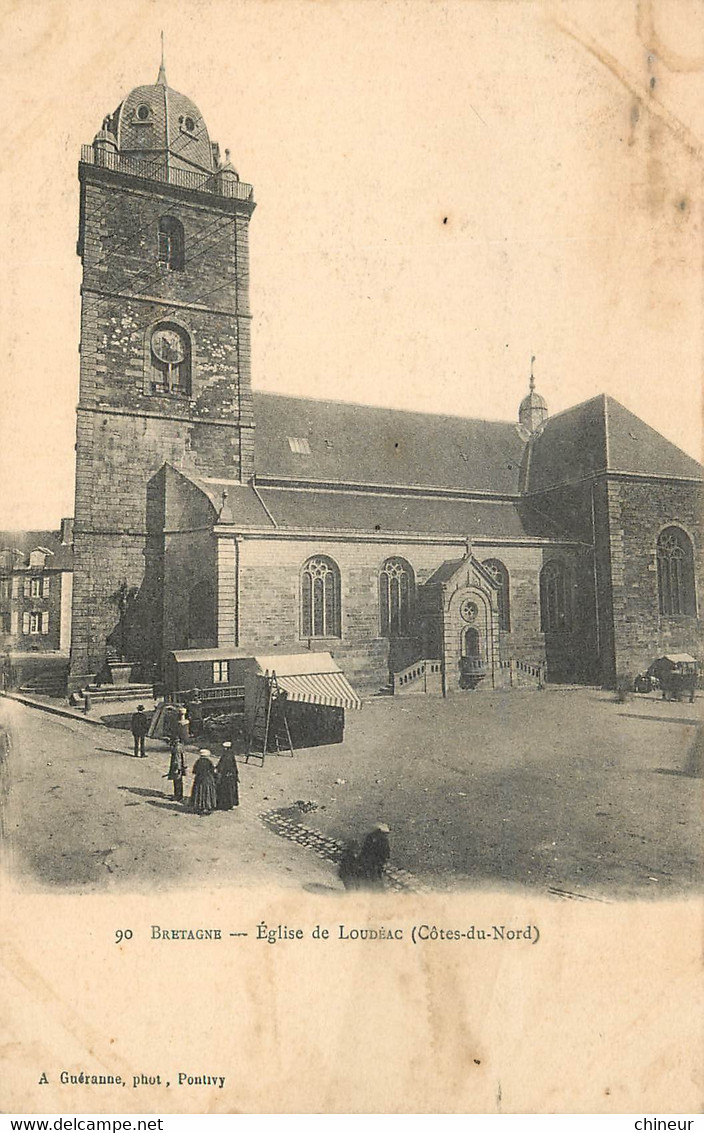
point(565, 791)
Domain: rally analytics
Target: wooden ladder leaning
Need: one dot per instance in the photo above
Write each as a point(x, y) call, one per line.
point(270, 723)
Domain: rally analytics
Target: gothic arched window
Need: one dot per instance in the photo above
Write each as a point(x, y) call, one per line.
point(499, 573)
point(171, 243)
point(554, 598)
point(320, 598)
point(396, 596)
point(170, 360)
point(676, 573)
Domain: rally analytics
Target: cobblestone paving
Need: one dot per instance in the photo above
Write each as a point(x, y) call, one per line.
point(280, 822)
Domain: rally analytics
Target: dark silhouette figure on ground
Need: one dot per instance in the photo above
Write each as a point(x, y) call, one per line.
point(365, 870)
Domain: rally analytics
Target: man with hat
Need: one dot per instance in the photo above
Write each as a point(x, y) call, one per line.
point(373, 856)
point(140, 727)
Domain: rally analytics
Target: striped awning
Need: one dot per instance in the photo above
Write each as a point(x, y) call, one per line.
point(331, 689)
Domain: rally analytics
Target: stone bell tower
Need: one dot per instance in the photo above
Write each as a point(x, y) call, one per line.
point(164, 354)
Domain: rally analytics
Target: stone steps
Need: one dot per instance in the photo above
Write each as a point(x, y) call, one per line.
point(101, 694)
point(55, 688)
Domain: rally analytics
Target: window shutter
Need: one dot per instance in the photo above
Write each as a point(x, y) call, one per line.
point(45, 621)
point(15, 622)
point(25, 623)
point(45, 586)
point(28, 588)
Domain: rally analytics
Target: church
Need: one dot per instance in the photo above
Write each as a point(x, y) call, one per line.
point(212, 516)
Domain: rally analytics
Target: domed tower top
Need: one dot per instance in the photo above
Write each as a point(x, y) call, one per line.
point(533, 411)
point(156, 124)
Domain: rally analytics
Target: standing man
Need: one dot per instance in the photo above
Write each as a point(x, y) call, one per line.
point(140, 727)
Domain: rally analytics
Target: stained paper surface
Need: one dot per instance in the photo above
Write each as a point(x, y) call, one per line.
point(443, 190)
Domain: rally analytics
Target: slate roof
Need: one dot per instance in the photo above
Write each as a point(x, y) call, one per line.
point(600, 435)
point(242, 506)
point(636, 447)
point(340, 443)
point(293, 509)
point(362, 444)
point(27, 541)
point(445, 571)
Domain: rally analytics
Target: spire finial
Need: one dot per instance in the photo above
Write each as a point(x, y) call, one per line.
point(532, 376)
point(161, 78)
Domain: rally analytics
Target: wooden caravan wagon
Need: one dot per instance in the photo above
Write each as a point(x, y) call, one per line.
point(213, 677)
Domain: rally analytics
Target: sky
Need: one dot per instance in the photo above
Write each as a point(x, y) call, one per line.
point(443, 191)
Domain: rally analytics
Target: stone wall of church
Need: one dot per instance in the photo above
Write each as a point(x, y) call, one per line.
point(581, 510)
point(638, 510)
point(269, 588)
point(103, 566)
point(190, 590)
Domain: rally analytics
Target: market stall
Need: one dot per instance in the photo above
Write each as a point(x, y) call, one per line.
point(303, 696)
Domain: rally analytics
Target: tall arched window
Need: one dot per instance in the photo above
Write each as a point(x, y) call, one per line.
point(498, 571)
point(170, 361)
point(320, 598)
point(396, 596)
point(554, 598)
point(676, 573)
point(171, 243)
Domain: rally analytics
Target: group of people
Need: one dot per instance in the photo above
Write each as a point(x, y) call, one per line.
point(215, 787)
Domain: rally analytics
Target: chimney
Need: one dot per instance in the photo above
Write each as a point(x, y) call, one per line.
point(67, 532)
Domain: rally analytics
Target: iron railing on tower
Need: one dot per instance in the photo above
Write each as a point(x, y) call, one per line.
point(215, 183)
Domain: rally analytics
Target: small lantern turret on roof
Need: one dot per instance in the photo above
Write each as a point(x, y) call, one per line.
point(533, 411)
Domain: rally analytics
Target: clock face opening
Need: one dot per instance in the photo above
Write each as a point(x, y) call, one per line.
point(168, 346)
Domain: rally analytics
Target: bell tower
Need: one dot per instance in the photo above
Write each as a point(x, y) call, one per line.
point(164, 352)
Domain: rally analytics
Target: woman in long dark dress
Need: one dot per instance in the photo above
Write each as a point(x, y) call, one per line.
point(204, 795)
point(228, 779)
